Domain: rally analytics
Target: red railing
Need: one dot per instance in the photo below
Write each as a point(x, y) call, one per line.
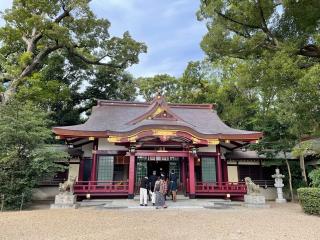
point(233, 188)
point(101, 187)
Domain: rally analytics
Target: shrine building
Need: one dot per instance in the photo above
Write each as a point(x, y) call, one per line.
point(122, 142)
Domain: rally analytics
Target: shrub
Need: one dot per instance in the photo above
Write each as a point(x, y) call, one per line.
point(310, 200)
point(314, 175)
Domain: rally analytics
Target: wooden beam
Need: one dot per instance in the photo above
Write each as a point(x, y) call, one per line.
point(149, 153)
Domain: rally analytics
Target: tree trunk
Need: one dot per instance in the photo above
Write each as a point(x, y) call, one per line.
point(303, 169)
point(290, 177)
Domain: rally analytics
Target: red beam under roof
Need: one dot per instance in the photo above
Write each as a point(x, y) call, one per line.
point(146, 153)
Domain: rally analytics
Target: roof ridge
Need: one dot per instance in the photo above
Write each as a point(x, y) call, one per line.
point(156, 107)
point(103, 102)
point(124, 103)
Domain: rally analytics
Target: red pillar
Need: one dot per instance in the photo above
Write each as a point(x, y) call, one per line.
point(225, 170)
point(219, 167)
point(192, 190)
point(81, 169)
point(93, 176)
point(131, 176)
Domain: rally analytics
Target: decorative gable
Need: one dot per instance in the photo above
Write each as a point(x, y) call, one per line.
point(158, 110)
point(163, 115)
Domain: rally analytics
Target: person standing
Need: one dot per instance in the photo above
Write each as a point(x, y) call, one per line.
point(162, 174)
point(159, 190)
point(167, 188)
point(163, 191)
point(156, 190)
point(173, 185)
point(144, 191)
point(152, 180)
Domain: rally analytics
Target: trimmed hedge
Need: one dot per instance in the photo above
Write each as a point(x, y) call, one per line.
point(309, 199)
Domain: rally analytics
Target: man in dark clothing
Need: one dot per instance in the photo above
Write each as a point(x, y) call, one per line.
point(173, 185)
point(144, 185)
point(162, 174)
point(152, 180)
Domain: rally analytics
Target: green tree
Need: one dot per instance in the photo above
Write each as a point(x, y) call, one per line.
point(109, 84)
point(35, 29)
point(268, 55)
point(163, 83)
point(277, 141)
point(197, 84)
point(24, 157)
point(245, 29)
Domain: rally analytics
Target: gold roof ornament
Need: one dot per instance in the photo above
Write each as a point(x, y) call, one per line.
point(213, 141)
point(195, 140)
point(132, 138)
point(160, 132)
point(114, 139)
point(158, 111)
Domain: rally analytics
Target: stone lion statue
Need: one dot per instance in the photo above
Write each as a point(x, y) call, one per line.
point(252, 188)
point(67, 185)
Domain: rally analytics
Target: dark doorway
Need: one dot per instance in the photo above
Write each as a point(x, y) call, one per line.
point(87, 169)
point(159, 166)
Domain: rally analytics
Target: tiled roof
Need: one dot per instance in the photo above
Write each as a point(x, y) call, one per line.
point(117, 117)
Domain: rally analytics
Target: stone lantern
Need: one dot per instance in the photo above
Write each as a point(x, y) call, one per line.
point(278, 178)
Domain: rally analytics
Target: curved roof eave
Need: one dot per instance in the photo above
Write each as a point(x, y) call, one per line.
point(223, 136)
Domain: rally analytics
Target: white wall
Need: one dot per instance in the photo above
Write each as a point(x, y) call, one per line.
point(210, 148)
point(233, 174)
point(87, 150)
point(103, 144)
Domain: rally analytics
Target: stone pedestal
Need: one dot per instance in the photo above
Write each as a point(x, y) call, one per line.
point(278, 200)
point(64, 200)
point(255, 201)
point(279, 185)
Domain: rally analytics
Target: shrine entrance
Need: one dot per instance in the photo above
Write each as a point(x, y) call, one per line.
point(159, 167)
point(146, 165)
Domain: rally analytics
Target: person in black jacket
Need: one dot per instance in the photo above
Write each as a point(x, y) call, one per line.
point(144, 191)
point(152, 180)
point(173, 185)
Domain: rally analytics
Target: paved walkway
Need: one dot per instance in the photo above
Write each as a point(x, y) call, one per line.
point(285, 221)
point(181, 203)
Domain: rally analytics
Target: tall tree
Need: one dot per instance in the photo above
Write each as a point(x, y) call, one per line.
point(162, 83)
point(56, 89)
point(24, 157)
point(245, 29)
point(34, 29)
point(278, 43)
point(270, 50)
point(197, 82)
point(105, 83)
point(278, 141)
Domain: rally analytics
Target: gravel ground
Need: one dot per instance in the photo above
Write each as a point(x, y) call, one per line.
point(278, 222)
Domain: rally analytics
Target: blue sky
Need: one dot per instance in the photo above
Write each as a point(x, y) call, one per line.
point(168, 27)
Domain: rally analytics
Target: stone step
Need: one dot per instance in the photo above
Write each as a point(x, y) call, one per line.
point(94, 202)
point(219, 200)
point(179, 197)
